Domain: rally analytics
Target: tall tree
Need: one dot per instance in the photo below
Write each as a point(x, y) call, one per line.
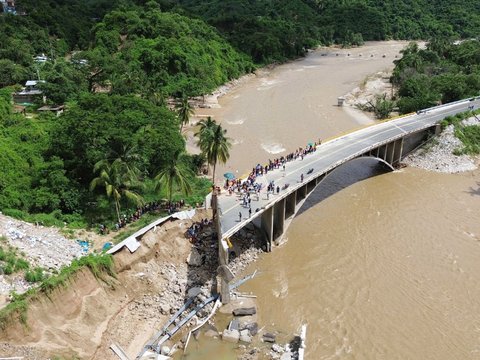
point(184, 111)
point(214, 143)
point(119, 180)
point(175, 173)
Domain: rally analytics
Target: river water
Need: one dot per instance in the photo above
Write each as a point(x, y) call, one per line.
point(384, 267)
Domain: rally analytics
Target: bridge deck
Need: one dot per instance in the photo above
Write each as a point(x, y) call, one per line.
point(328, 156)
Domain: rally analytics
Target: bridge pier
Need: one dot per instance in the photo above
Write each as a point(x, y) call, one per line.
point(390, 152)
point(267, 226)
point(382, 152)
point(397, 152)
point(311, 185)
point(278, 219)
point(290, 204)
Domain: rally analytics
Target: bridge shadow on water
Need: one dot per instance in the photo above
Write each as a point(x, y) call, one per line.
point(342, 177)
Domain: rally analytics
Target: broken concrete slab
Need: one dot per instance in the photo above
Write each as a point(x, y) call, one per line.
point(244, 311)
point(234, 325)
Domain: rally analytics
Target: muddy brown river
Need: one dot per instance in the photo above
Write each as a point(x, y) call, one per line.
point(384, 266)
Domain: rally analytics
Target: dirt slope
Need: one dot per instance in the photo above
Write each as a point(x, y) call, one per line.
point(87, 316)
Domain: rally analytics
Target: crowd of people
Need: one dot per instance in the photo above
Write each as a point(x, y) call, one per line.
point(249, 187)
point(125, 219)
point(193, 231)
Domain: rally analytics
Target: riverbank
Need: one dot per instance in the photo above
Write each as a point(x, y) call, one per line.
point(438, 154)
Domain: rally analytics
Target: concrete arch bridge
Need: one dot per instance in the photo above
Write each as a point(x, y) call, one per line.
point(388, 142)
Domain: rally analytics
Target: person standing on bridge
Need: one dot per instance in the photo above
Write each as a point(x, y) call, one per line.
point(240, 216)
point(301, 178)
point(249, 212)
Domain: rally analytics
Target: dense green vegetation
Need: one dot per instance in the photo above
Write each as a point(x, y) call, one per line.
point(468, 134)
point(441, 73)
point(277, 29)
point(116, 64)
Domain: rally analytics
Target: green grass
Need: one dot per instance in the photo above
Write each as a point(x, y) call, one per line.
point(16, 309)
point(11, 262)
point(35, 275)
point(97, 264)
point(137, 225)
point(55, 218)
point(468, 135)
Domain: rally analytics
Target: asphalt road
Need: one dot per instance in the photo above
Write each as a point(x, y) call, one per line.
point(328, 156)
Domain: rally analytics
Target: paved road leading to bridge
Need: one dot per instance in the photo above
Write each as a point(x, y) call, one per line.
point(328, 156)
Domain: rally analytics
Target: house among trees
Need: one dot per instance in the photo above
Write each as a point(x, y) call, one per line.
point(30, 94)
point(55, 109)
point(8, 7)
point(42, 58)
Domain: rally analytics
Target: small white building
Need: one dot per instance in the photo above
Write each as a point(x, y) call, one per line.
point(30, 93)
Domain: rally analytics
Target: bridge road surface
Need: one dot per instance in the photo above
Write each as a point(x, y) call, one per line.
point(328, 156)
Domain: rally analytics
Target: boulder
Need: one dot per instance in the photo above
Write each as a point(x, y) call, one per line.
point(245, 336)
point(278, 348)
point(195, 258)
point(244, 311)
point(165, 350)
point(231, 335)
point(252, 328)
point(269, 337)
point(193, 292)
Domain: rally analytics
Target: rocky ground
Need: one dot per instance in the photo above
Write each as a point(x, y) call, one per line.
point(438, 154)
point(41, 246)
point(375, 85)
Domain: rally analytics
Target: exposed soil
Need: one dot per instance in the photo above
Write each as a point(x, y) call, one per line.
point(89, 315)
point(86, 317)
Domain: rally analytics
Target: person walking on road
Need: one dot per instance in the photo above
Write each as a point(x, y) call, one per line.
point(301, 178)
point(240, 216)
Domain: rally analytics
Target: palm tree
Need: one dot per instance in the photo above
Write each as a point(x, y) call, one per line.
point(184, 111)
point(205, 132)
point(177, 173)
point(213, 142)
point(119, 180)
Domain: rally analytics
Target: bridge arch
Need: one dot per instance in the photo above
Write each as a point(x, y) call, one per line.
point(369, 172)
point(388, 142)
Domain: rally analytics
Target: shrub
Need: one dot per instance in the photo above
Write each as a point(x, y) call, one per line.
point(8, 269)
point(21, 264)
point(34, 276)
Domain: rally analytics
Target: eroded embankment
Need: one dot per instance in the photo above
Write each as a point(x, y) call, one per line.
point(85, 317)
